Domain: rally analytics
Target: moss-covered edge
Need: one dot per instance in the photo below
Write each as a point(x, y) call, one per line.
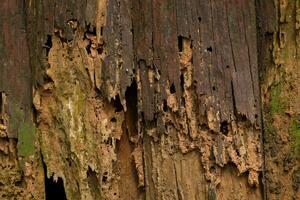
point(26, 131)
point(26, 139)
point(277, 103)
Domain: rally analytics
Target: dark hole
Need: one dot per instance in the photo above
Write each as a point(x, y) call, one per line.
point(209, 49)
point(18, 183)
point(212, 169)
point(100, 50)
point(227, 66)
point(165, 106)
point(131, 97)
point(172, 88)
point(182, 82)
point(238, 153)
point(104, 178)
point(101, 30)
point(93, 182)
point(203, 127)
point(69, 162)
point(131, 115)
point(88, 47)
point(213, 88)
point(242, 118)
point(48, 44)
point(113, 119)
point(54, 189)
point(256, 116)
point(47, 79)
point(91, 29)
point(180, 43)
point(224, 127)
point(108, 141)
point(199, 19)
point(117, 104)
point(49, 41)
point(88, 29)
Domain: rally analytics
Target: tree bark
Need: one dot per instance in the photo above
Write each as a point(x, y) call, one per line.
point(110, 99)
point(280, 88)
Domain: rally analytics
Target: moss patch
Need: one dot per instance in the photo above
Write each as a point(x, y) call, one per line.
point(277, 103)
point(17, 117)
point(26, 140)
point(295, 132)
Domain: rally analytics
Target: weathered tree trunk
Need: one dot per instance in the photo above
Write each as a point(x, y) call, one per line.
point(132, 99)
point(280, 94)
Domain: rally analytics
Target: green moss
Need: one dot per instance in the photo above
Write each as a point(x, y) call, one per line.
point(24, 130)
point(26, 139)
point(277, 102)
point(295, 132)
point(17, 118)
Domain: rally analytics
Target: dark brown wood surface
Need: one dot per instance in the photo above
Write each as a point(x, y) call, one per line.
point(15, 71)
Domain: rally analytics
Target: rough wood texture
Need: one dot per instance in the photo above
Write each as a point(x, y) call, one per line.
point(187, 64)
point(21, 176)
point(149, 99)
point(280, 96)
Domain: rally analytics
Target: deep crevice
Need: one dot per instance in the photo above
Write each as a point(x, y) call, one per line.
point(180, 43)
point(165, 106)
point(131, 115)
point(117, 104)
point(54, 189)
point(209, 49)
point(113, 120)
point(172, 88)
point(224, 127)
point(101, 30)
point(48, 44)
point(88, 47)
point(93, 182)
point(90, 29)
